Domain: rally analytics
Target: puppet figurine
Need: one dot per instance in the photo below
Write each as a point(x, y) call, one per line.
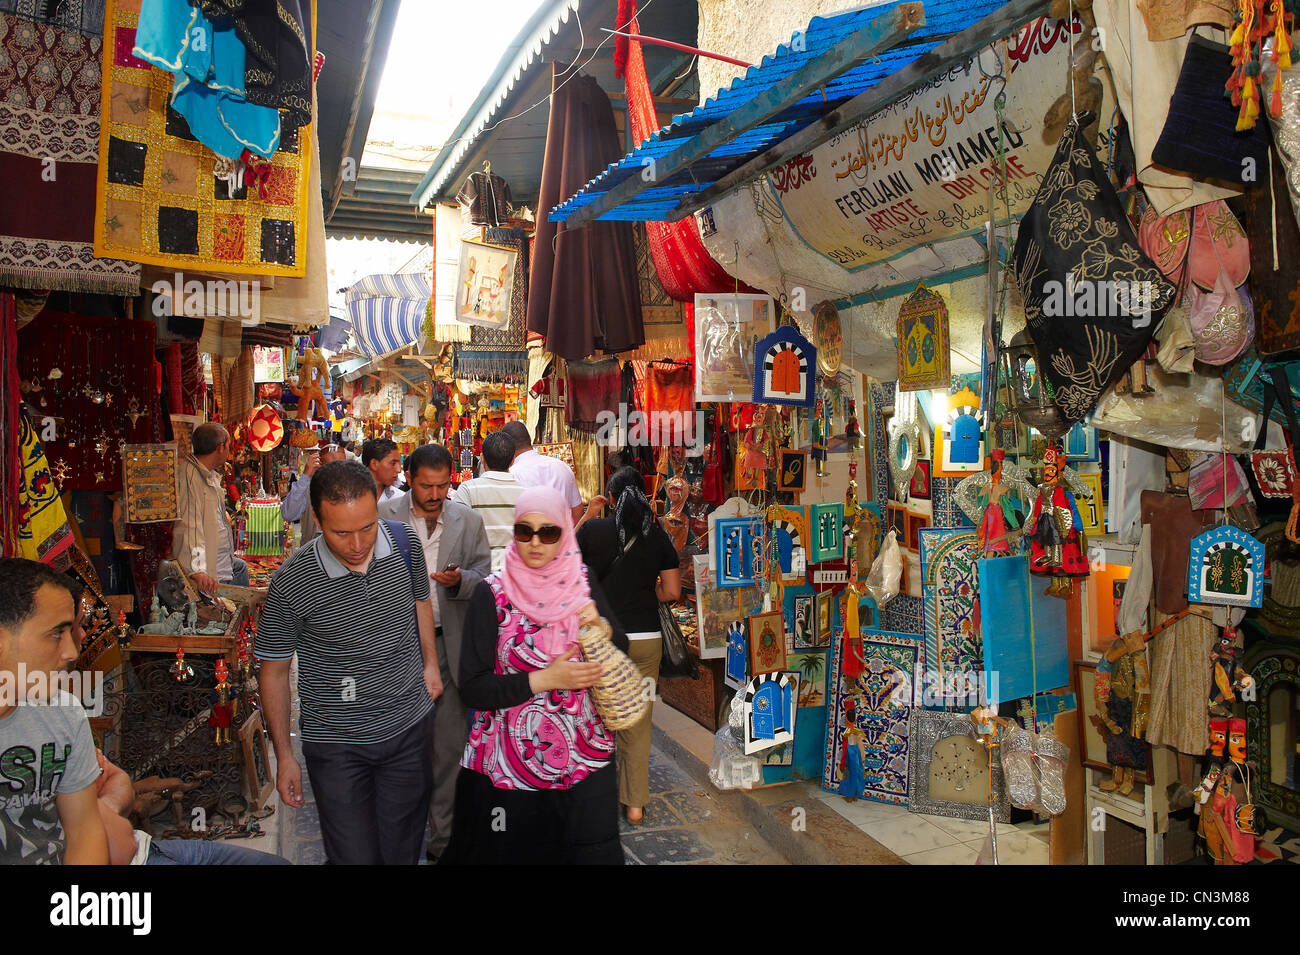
point(759, 446)
point(1229, 677)
point(852, 430)
point(1059, 545)
point(1122, 693)
point(853, 756)
point(675, 523)
point(313, 374)
point(999, 522)
point(223, 707)
point(817, 429)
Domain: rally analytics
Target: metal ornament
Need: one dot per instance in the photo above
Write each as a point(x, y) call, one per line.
point(947, 764)
point(904, 444)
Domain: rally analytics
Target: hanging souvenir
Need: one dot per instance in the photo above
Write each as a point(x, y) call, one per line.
point(737, 539)
point(790, 534)
point(827, 528)
point(149, 483)
point(265, 429)
point(923, 357)
point(726, 327)
point(769, 710)
point(1092, 297)
point(1226, 566)
point(767, 641)
point(1059, 545)
point(830, 338)
point(792, 470)
point(485, 280)
point(904, 444)
point(785, 365)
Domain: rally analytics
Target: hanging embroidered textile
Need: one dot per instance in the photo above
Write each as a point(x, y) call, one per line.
point(923, 357)
point(683, 265)
point(495, 353)
point(157, 198)
point(43, 531)
point(868, 717)
point(49, 123)
point(1092, 297)
point(1226, 566)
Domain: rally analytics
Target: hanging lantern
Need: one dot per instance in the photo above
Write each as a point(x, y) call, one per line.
point(1029, 397)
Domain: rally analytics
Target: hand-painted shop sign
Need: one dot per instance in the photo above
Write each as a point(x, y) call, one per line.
point(924, 169)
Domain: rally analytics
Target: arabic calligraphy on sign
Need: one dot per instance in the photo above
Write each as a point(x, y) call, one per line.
point(793, 174)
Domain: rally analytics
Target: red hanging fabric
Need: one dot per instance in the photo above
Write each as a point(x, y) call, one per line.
point(682, 263)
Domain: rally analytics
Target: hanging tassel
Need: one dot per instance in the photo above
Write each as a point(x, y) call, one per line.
point(1294, 519)
point(1275, 106)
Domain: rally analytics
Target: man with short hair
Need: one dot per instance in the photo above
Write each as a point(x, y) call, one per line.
point(453, 539)
point(383, 459)
point(353, 604)
point(202, 540)
point(296, 506)
point(492, 495)
point(48, 807)
point(534, 469)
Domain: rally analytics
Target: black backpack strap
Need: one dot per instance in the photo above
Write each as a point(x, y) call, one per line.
point(402, 538)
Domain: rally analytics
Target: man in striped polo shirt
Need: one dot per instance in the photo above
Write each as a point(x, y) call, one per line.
point(492, 495)
point(353, 604)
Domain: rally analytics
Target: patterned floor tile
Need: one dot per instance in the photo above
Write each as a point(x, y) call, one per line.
point(667, 846)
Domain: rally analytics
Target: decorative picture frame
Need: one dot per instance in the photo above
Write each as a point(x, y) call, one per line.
point(715, 609)
point(829, 333)
point(1092, 745)
point(1092, 509)
point(767, 652)
point(825, 627)
point(485, 280)
point(920, 487)
point(1226, 566)
point(790, 522)
point(792, 471)
point(800, 608)
point(770, 709)
point(946, 763)
point(734, 559)
point(923, 353)
point(914, 522)
point(785, 369)
point(1081, 444)
point(811, 666)
point(726, 329)
point(259, 781)
point(149, 483)
point(826, 530)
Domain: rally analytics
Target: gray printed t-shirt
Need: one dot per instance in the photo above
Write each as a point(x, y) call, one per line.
point(44, 751)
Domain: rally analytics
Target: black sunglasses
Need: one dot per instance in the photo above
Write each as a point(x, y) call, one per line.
point(548, 533)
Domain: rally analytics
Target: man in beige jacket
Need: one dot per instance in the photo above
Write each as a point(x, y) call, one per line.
point(201, 539)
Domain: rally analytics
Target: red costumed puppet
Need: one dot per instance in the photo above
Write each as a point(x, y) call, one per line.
point(1058, 545)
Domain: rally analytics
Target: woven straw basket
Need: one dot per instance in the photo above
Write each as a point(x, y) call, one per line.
point(619, 695)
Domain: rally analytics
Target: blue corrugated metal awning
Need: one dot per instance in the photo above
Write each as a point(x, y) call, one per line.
point(748, 105)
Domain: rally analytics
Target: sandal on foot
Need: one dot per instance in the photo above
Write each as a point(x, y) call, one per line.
point(640, 816)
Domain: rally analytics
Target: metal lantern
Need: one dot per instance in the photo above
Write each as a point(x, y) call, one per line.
point(1028, 394)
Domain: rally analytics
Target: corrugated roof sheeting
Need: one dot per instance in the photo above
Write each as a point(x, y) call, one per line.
point(943, 18)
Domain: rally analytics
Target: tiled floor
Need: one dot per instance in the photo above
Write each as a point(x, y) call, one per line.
point(936, 840)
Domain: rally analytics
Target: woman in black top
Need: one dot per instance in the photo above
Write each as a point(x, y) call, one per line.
point(637, 566)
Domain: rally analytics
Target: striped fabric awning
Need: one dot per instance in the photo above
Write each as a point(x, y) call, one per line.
point(387, 311)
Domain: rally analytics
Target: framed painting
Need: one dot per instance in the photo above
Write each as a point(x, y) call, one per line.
point(715, 609)
point(767, 641)
point(827, 530)
point(149, 483)
point(790, 533)
point(738, 539)
point(1092, 509)
point(923, 354)
point(792, 470)
point(785, 369)
point(811, 668)
point(727, 327)
point(799, 605)
point(1092, 744)
point(485, 281)
point(826, 619)
point(913, 526)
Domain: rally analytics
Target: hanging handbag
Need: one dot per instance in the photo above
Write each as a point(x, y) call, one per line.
point(677, 659)
point(1092, 298)
point(1275, 471)
point(619, 695)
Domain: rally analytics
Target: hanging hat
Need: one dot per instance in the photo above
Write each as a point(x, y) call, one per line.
point(265, 429)
point(1218, 244)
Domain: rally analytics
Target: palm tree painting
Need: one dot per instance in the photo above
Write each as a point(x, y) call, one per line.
point(812, 673)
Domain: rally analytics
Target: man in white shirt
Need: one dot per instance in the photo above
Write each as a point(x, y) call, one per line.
point(385, 463)
point(533, 469)
point(492, 495)
point(457, 555)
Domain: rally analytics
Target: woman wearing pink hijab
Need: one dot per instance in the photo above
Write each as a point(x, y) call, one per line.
point(537, 782)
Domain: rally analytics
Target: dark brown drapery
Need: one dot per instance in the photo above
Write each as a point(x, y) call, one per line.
point(583, 293)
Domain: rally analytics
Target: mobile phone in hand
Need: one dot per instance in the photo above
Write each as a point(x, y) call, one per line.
point(450, 567)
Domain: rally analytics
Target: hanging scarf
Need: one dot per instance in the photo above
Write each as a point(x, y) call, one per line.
point(550, 595)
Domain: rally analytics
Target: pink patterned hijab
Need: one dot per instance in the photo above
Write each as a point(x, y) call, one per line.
point(553, 594)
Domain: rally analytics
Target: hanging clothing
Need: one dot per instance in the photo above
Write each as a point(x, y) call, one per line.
point(1180, 671)
point(584, 293)
point(277, 38)
point(593, 387)
point(486, 200)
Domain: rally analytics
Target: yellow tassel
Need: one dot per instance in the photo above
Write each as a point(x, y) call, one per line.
point(1237, 37)
point(1247, 89)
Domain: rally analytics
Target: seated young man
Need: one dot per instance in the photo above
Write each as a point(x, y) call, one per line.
point(49, 811)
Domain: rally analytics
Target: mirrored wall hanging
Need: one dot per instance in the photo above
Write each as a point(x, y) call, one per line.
point(1226, 566)
point(949, 769)
point(904, 443)
point(923, 360)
